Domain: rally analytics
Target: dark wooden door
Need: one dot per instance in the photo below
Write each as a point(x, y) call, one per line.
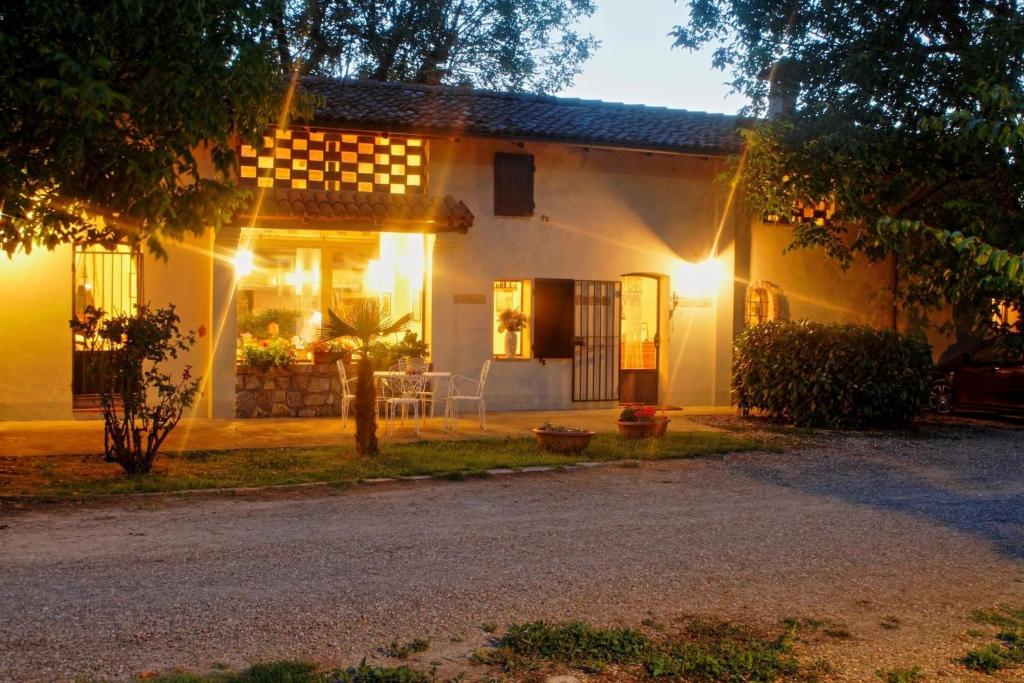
point(641, 310)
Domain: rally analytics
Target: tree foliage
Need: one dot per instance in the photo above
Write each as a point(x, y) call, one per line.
point(909, 116)
point(529, 45)
point(109, 107)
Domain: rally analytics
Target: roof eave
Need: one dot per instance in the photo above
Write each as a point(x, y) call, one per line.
point(384, 127)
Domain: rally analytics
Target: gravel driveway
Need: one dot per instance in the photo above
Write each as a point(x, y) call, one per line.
point(857, 530)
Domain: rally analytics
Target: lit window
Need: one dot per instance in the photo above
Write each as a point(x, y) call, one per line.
point(511, 337)
point(763, 303)
point(105, 279)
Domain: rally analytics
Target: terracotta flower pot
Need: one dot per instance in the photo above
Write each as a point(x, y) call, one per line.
point(557, 441)
point(643, 430)
point(330, 357)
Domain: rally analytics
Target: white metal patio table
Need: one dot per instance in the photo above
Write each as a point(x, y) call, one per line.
point(437, 379)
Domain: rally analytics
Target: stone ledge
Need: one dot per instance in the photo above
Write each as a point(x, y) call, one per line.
point(300, 390)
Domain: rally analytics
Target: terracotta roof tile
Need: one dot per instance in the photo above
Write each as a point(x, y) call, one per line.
point(359, 211)
point(461, 111)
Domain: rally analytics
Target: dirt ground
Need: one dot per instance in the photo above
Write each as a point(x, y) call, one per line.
point(897, 538)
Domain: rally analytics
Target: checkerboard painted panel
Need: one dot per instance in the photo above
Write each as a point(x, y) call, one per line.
point(309, 159)
point(819, 214)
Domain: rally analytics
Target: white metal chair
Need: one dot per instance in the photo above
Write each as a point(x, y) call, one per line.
point(467, 390)
point(428, 395)
point(346, 393)
point(403, 393)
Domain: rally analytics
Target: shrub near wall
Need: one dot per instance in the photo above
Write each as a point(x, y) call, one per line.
point(827, 375)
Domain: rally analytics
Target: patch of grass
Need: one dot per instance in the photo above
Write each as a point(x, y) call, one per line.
point(403, 650)
point(488, 627)
point(85, 476)
point(704, 651)
point(1008, 650)
point(301, 672)
point(828, 627)
point(270, 672)
point(911, 675)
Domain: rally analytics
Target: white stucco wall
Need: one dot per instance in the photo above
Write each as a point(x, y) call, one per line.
point(35, 340)
point(599, 214)
point(816, 287)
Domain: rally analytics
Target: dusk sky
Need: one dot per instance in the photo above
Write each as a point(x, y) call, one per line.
point(636, 62)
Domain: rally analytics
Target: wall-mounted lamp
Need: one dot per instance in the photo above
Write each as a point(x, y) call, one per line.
point(694, 284)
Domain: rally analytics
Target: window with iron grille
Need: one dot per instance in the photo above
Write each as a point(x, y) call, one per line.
point(513, 184)
point(107, 279)
point(763, 303)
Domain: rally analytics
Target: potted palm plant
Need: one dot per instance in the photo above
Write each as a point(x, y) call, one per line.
point(511, 321)
point(364, 321)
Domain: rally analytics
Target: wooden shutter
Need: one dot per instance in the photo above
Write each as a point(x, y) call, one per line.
point(552, 318)
point(513, 184)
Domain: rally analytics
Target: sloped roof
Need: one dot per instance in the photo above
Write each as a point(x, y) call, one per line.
point(447, 110)
point(359, 211)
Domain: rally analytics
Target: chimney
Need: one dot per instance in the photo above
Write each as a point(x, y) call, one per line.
point(783, 87)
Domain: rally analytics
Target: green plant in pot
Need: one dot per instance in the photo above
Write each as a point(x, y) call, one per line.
point(265, 354)
point(511, 321)
point(365, 322)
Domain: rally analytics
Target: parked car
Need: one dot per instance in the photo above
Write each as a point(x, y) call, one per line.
point(983, 378)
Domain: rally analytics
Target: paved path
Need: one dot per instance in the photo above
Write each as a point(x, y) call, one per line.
point(79, 437)
point(857, 531)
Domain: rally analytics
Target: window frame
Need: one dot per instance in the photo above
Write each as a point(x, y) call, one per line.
point(526, 306)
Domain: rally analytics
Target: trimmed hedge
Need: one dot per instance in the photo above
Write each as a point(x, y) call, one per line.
point(827, 375)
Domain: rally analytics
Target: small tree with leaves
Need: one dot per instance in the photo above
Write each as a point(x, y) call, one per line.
point(141, 401)
point(365, 322)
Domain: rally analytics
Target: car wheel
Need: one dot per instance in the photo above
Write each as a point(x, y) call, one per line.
point(940, 398)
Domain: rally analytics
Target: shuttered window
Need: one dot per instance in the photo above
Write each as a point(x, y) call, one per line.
point(513, 184)
point(553, 318)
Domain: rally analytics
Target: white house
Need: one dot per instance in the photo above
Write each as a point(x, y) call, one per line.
point(610, 226)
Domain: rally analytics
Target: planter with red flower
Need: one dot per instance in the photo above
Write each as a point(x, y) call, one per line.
point(642, 422)
point(329, 352)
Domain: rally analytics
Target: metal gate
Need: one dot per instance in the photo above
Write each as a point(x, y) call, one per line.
point(595, 355)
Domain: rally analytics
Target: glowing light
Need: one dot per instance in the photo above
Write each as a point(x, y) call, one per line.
point(698, 280)
point(373, 281)
point(243, 262)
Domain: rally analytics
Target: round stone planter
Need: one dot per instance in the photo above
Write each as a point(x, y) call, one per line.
point(562, 442)
point(643, 430)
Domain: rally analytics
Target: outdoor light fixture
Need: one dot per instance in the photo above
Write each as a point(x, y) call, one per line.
point(694, 284)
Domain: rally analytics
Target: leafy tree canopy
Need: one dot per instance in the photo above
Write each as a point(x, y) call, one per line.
point(105, 105)
point(910, 115)
point(503, 44)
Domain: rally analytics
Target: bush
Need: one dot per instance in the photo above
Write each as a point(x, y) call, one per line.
point(141, 401)
point(827, 375)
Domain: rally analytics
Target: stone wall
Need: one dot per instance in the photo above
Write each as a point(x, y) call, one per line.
point(301, 390)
